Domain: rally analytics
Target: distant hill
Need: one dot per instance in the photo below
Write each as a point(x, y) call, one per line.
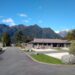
point(33, 30)
point(63, 33)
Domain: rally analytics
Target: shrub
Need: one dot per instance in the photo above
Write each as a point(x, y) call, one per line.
point(0, 49)
point(68, 59)
point(72, 48)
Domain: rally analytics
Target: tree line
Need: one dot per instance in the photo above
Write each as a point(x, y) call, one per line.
point(19, 38)
point(71, 35)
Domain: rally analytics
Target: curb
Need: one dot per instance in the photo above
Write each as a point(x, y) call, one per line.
point(65, 65)
point(41, 62)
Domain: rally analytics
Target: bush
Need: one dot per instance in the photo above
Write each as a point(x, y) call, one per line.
point(29, 50)
point(0, 49)
point(36, 53)
point(68, 59)
point(72, 48)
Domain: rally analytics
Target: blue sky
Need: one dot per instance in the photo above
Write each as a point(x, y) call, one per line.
point(56, 14)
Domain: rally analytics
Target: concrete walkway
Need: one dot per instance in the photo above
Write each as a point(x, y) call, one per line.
point(57, 55)
point(48, 50)
point(15, 62)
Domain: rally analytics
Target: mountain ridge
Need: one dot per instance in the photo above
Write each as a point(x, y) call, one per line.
point(33, 30)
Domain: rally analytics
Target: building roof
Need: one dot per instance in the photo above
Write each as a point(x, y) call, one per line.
point(49, 41)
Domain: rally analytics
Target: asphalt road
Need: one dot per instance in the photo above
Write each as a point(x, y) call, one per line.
point(15, 62)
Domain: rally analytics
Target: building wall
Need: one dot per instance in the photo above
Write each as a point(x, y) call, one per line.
point(44, 45)
point(27, 45)
point(50, 45)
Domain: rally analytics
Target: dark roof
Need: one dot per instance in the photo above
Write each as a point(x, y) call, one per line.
point(49, 41)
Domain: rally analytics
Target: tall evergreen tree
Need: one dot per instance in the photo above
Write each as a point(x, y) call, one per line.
point(6, 39)
point(19, 37)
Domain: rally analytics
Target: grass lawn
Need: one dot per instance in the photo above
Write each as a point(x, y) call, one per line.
point(46, 59)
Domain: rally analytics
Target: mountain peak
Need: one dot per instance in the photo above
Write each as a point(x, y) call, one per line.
point(34, 30)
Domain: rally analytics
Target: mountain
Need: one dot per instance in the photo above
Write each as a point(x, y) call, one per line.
point(33, 30)
point(49, 33)
point(4, 28)
point(63, 33)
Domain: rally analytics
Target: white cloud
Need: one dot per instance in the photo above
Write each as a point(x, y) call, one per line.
point(57, 31)
point(62, 30)
point(23, 15)
point(9, 21)
point(66, 30)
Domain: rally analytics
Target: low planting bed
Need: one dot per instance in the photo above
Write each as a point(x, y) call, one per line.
point(46, 59)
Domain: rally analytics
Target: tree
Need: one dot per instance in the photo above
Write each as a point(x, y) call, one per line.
point(28, 39)
point(71, 35)
point(6, 39)
point(0, 39)
point(19, 37)
point(72, 48)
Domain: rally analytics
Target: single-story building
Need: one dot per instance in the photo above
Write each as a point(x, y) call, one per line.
point(48, 43)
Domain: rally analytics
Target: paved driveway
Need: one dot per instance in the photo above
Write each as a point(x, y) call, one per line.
point(15, 62)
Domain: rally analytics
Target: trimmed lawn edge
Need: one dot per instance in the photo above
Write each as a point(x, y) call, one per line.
point(46, 59)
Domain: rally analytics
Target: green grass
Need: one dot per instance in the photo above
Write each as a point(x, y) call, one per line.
point(46, 59)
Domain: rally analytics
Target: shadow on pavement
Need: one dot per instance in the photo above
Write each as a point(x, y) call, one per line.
point(1, 58)
point(1, 52)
